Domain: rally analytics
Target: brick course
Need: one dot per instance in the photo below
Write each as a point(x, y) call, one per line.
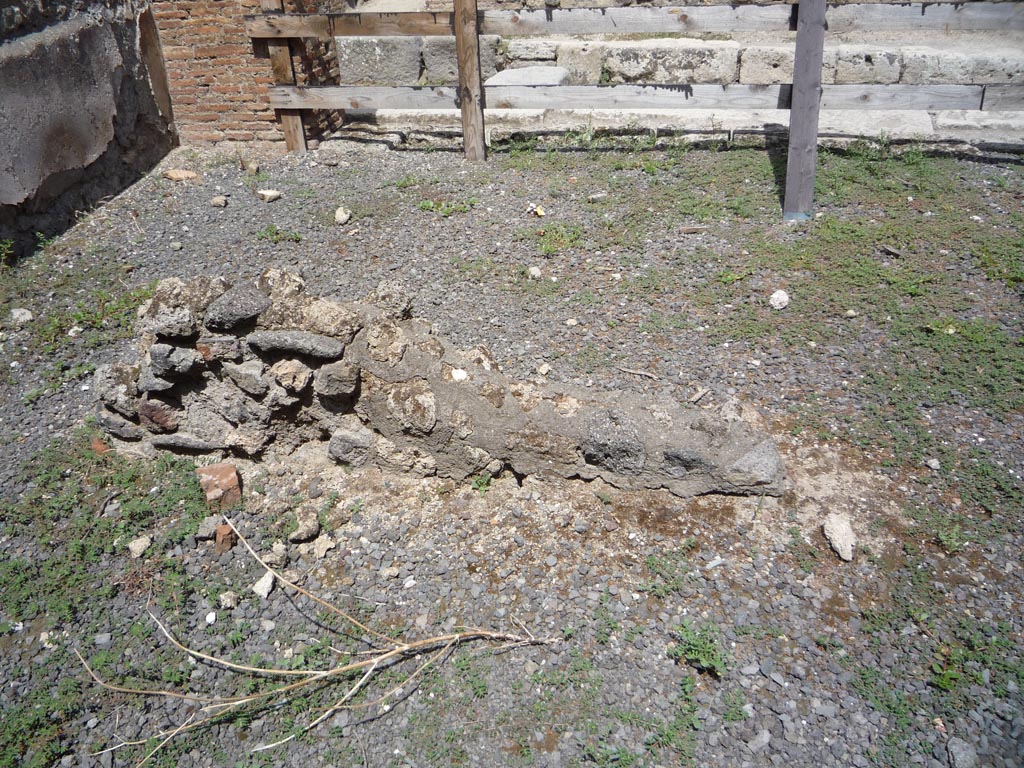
point(218, 84)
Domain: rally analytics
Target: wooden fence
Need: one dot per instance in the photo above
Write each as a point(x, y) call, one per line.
point(804, 97)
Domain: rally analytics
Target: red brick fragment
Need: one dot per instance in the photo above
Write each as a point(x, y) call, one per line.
point(221, 484)
point(225, 538)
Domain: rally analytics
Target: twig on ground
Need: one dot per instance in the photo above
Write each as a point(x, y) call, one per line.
point(640, 373)
point(371, 663)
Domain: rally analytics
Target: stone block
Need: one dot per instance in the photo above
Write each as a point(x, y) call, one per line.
point(440, 66)
point(238, 305)
point(221, 484)
point(773, 64)
point(583, 61)
point(861, 65)
point(650, 61)
point(158, 415)
point(351, 445)
point(59, 103)
point(293, 375)
point(538, 75)
point(926, 66)
point(531, 50)
point(379, 60)
point(676, 61)
point(336, 380)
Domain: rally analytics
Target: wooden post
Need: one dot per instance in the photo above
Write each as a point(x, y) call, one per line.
point(467, 47)
point(803, 115)
point(284, 74)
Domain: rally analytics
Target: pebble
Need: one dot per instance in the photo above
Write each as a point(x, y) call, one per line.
point(21, 316)
point(264, 585)
point(268, 195)
point(779, 300)
point(137, 548)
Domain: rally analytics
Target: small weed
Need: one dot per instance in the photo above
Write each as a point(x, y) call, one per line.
point(700, 647)
point(482, 483)
point(806, 555)
point(668, 570)
point(407, 181)
point(556, 238)
point(43, 241)
point(605, 625)
point(273, 234)
point(472, 675)
point(447, 207)
point(735, 707)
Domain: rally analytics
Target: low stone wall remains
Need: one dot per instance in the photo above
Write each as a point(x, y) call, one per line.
point(252, 369)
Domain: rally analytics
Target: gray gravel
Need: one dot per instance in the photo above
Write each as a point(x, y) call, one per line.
point(568, 562)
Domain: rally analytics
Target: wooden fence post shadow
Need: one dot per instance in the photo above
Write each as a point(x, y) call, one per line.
point(284, 74)
point(467, 49)
point(803, 115)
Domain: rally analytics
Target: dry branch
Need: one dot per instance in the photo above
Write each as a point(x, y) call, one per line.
point(394, 652)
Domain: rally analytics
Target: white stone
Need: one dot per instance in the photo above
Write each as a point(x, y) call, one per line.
point(21, 316)
point(840, 535)
point(535, 273)
point(538, 75)
point(211, 617)
point(933, 464)
point(459, 375)
point(779, 300)
point(323, 545)
point(544, 369)
point(229, 600)
point(138, 547)
point(268, 195)
point(342, 216)
point(278, 555)
point(265, 585)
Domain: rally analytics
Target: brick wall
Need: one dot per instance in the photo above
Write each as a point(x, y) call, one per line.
point(218, 86)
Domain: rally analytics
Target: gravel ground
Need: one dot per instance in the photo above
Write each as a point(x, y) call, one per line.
point(824, 662)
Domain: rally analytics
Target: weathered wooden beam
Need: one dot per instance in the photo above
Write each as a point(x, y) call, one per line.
point(803, 117)
point(284, 74)
point(569, 21)
point(535, 97)
point(937, 16)
point(471, 95)
point(835, 97)
point(926, 98)
point(1003, 97)
point(636, 20)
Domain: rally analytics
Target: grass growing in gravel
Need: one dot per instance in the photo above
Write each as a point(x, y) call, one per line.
point(83, 506)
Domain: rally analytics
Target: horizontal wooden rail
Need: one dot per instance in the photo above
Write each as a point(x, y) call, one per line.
point(803, 98)
point(946, 17)
point(1009, 98)
point(858, 97)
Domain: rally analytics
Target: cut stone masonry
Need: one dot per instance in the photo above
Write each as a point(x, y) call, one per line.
point(250, 369)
